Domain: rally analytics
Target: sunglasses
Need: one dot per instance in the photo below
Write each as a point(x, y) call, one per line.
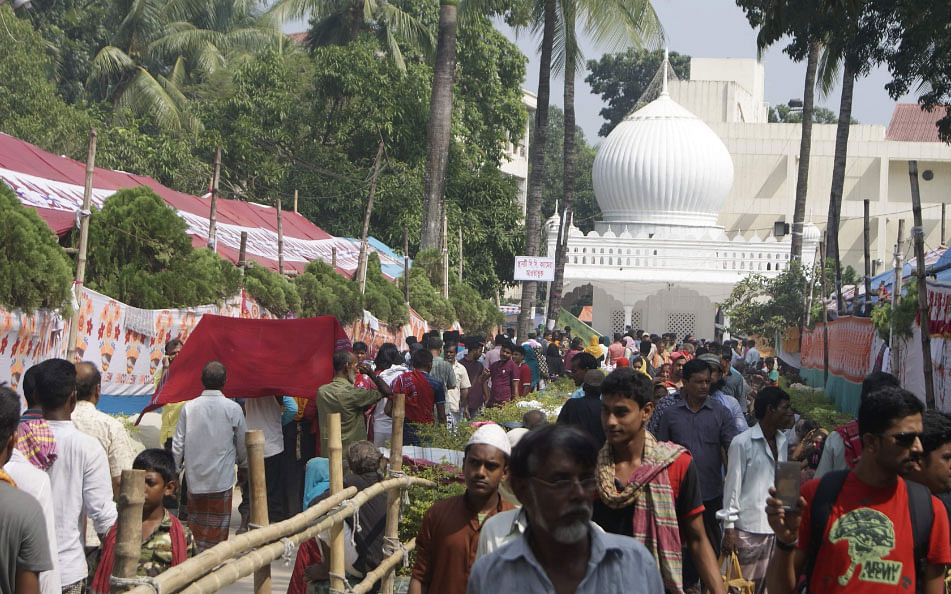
point(904, 440)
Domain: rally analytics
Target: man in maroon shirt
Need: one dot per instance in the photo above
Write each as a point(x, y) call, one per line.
point(474, 368)
point(504, 376)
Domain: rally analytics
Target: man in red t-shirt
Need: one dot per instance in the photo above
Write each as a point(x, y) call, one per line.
point(649, 489)
point(423, 392)
point(524, 373)
point(867, 544)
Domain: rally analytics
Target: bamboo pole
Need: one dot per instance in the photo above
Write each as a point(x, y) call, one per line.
point(918, 233)
point(258, 489)
point(337, 565)
point(460, 254)
point(333, 257)
point(393, 498)
point(295, 202)
point(364, 247)
point(129, 526)
point(942, 225)
point(406, 265)
point(896, 295)
point(280, 239)
point(445, 256)
point(213, 214)
point(384, 568)
point(243, 563)
point(83, 245)
point(243, 251)
point(825, 315)
point(868, 265)
point(812, 287)
point(179, 576)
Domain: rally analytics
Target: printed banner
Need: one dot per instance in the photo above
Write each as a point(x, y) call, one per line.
point(125, 343)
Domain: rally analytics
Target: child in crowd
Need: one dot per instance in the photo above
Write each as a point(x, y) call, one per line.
point(524, 373)
point(165, 541)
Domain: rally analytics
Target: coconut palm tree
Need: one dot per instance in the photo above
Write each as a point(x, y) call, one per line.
point(805, 150)
point(160, 47)
point(338, 22)
point(607, 22)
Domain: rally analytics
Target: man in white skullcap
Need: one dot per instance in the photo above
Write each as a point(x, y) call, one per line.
point(449, 534)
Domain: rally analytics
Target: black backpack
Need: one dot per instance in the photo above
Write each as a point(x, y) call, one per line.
point(919, 508)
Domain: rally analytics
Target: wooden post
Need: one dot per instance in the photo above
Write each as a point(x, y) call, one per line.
point(257, 487)
point(83, 245)
point(445, 256)
point(868, 266)
point(213, 215)
point(460, 253)
point(333, 257)
point(943, 243)
point(243, 251)
point(295, 202)
point(362, 260)
point(918, 234)
point(337, 564)
point(393, 498)
point(129, 526)
point(896, 295)
point(406, 265)
point(280, 240)
point(825, 314)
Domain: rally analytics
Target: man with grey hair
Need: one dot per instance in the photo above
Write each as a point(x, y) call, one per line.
point(208, 442)
point(553, 474)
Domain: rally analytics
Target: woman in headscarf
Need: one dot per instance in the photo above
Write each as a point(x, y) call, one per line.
point(573, 350)
point(629, 348)
point(555, 362)
point(532, 361)
point(594, 348)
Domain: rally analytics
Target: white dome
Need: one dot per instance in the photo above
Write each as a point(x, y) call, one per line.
point(662, 165)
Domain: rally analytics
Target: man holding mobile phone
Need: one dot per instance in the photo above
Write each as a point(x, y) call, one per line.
point(866, 530)
point(750, 473)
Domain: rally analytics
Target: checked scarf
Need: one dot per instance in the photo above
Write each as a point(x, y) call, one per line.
point(655, 515)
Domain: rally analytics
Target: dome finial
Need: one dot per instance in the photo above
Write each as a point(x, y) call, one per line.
point(664, 88)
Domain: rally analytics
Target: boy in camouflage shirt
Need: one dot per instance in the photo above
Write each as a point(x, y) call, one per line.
point(166, 542)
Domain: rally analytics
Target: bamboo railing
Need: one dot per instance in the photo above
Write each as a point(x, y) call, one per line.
point(253, 552)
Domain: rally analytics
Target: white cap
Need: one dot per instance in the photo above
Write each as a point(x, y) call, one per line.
point(516, 434)
point(493, 435)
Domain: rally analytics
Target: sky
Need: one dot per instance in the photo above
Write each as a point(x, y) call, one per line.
point(713, 29)
point(708, 29)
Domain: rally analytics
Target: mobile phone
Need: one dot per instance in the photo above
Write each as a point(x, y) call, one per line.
point(788, 476)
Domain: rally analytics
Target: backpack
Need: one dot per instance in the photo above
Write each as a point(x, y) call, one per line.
point(852, 443)
point(920, 511)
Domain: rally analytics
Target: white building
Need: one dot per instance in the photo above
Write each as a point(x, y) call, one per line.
point(660, 260)
point(515, 159)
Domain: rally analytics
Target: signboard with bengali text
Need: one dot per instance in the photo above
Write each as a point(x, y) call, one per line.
point(530, 268)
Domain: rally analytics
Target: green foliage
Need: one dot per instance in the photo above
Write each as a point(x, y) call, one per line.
point(782, 114)
point(622, 78)
point(474, 313)
point(448, 484)
point(584, 207)
point(274, 292)
point(762, 306)
point(383, 298)
point(907, 311)
point(34, 270)
point(814, 405)
point(140, 254)
point(324, 292)
point(424, 297)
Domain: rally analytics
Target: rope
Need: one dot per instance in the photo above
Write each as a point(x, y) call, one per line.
point(288, 554)
point(391, 545)
point(136, 581)
point(356, 520)
point(347, 588)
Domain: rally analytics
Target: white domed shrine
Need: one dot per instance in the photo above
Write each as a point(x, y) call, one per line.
point(657, 260)
point(662, 165)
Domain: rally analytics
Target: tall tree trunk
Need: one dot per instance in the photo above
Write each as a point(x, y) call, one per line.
point(439, 129)
point(838, 175)
point(536, 174)
point(805, 150)
point(568, 174)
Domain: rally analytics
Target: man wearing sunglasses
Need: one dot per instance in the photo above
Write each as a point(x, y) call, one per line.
point(553, 475)
point(876, 536)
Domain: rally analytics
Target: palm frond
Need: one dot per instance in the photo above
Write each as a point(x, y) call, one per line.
point(393, 48)
point(145, 96)
point(110, 63)
point(614, 24)
point(285, 10)
point(406, 27)
point(178, 74)
point(828, 72)
point(140, 25)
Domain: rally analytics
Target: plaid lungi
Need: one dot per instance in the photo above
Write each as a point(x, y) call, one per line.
point(209, 517)
point(754, 551)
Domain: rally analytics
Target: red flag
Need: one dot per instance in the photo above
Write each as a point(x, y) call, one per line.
point(261, 357)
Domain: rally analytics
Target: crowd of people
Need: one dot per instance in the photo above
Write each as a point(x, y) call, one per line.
point(662, 461)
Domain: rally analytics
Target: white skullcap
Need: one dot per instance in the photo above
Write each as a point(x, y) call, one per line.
point(492, 435)
point(516, 434)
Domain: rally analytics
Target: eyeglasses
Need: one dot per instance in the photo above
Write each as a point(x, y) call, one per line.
point(904, 440)
point(563, 487)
